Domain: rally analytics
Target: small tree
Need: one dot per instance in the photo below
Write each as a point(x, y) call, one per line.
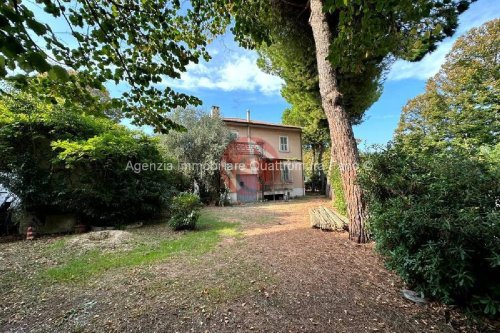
point(198, 149)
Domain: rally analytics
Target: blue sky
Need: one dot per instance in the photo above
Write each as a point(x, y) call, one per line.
point(233, 81)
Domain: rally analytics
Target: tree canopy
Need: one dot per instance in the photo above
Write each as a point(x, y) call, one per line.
point(367, 36)
point(288, 51)
point(138, 43)
point(461, 103)
point(198, 149)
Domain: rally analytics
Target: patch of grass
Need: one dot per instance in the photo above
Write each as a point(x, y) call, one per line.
point(204, 239)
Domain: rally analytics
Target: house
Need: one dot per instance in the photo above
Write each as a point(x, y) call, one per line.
point(263, 160)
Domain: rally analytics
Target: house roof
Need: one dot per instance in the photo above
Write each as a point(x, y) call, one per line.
point(240, 121)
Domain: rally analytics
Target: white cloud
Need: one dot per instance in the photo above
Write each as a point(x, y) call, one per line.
point(238, 72)
point(423, 69)
point(478, 14)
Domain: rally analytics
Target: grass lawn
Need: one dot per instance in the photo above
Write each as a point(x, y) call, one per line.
point(146, 250)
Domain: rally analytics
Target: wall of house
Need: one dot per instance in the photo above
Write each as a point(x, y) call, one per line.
point(270, 138)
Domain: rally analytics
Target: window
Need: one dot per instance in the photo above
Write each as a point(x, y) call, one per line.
point(285, 174)
point(284, 143)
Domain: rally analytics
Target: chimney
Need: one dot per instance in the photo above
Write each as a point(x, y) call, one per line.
point(215, 112)
point(248, 115)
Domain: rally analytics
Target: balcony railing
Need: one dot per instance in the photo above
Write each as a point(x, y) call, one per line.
point(246, 148)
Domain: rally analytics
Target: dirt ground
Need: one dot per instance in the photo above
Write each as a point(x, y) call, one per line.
point(277, 275)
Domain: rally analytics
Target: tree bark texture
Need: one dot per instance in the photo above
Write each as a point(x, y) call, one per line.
point(344, 146)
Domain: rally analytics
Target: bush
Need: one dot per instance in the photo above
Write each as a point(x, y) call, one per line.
point(435, 221)
point(185, 211)
point(57, 160)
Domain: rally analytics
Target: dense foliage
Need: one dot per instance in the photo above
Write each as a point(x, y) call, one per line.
point(436, 221)
point(434, 192)
point(460, 106)
point(281, 33)
point(185, 211)
point(198, 150)
point(104, 41)
point(367, 35)
point(59, 160)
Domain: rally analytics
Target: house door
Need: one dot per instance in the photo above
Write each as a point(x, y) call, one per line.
point(247, 188)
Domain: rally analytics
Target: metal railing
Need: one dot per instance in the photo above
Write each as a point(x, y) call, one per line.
point(246, 148)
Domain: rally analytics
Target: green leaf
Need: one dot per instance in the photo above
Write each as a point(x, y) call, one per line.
point(37, 27)
point(4, 22)
point(58, 73)
point(438, 29)
point(52, 9)
point(11, 47)
point(11, 14)
point(38, 62)
point(3, 71)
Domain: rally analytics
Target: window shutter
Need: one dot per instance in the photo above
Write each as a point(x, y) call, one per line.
point(283, 143)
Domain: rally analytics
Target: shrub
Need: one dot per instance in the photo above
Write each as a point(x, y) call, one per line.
point(435, 221)
point(57, 160)
point(185, 211)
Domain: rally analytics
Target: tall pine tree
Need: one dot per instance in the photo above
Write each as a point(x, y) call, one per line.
point(354, 40)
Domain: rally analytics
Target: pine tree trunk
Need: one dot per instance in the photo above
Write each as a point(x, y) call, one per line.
point(344, 146)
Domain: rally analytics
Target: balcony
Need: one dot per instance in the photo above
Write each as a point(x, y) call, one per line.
point(246, 148)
